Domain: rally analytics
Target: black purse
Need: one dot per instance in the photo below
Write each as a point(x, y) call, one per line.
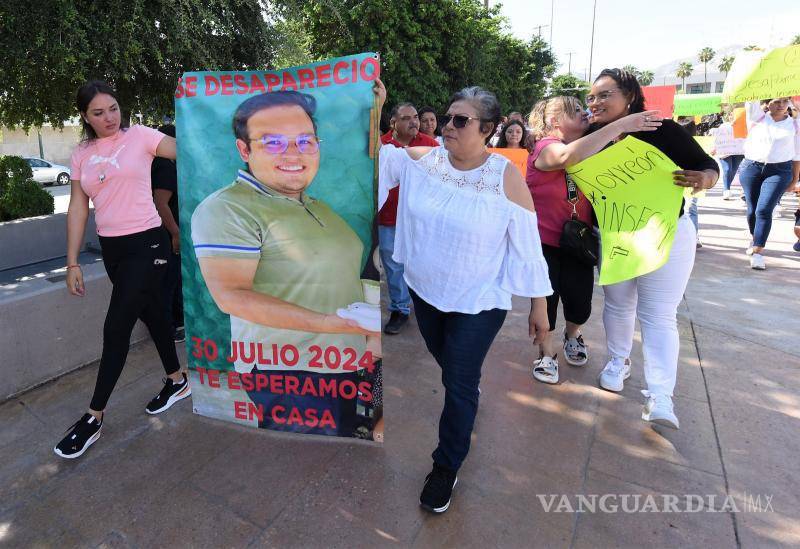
point(578, 238)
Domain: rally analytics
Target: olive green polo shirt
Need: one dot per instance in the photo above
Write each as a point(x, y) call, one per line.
point(307, 255)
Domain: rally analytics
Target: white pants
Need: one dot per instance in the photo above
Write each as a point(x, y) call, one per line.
point(654, 299)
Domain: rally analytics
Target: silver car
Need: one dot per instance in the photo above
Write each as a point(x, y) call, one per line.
point(47, 173)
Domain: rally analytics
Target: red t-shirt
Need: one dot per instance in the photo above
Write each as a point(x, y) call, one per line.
point(549, 191)
point(388, 214)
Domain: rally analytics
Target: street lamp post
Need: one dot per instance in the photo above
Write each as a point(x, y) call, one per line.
point(591, 46)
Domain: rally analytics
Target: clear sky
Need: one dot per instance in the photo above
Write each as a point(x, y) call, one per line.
point(650, 33)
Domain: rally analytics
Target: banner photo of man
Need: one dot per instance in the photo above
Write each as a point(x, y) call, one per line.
point(276, 176)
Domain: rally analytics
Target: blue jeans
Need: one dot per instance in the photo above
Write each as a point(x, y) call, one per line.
point(399, 300)
point(693, 213)
point(730, 165)
point(763, 185)
point(459, 343)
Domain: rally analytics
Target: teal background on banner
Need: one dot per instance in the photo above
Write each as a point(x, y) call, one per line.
point(208, 160)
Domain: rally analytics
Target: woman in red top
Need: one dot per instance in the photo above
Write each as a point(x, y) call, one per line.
point(557, 125)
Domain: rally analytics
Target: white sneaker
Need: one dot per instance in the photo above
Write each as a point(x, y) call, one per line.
point(749, 249)
point(546, 369)
point(726, 195)
point(613, 376)
point(658, 409)
point(575, 351)
point(757, 262)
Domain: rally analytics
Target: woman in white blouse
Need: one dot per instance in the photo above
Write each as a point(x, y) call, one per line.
point(468, 239)
point(771, 165)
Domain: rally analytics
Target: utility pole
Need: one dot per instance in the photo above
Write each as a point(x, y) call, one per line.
point(569, 63)
point(591, 47)
point(552, 5)
point(539, 29)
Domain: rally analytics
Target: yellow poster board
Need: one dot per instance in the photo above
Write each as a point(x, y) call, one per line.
point(761, 75)
point(636, 203)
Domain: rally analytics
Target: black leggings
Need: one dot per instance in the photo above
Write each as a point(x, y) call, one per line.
point(572, 283)
point(136, 264)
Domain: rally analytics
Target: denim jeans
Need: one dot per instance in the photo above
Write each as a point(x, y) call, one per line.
point(399, 300)
point(730, 165)
point(459, 343)
point(763, 186)
point(693, 213)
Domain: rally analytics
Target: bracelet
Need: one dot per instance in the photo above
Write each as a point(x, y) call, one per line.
point(73, 266)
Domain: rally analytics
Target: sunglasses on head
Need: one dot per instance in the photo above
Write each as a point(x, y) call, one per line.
point(459, 120)
point(275, 143)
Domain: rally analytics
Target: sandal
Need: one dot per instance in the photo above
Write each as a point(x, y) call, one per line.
point(546, 369)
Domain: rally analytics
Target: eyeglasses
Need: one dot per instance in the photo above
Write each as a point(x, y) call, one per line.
point(459, 120)
point(602, 96)
point(278, 144)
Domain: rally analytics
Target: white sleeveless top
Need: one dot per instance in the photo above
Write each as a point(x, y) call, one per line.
point(464, 245)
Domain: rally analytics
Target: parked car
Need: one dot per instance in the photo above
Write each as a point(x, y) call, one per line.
point(48, 173)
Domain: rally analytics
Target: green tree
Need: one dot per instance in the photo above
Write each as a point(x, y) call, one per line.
point(567, 84)
point(631, 69)
point(140, 47)
point(705, 55)
point(726, 64)
point(429, 49)
point(646, 78)
point(795, 41)
point(684, 71)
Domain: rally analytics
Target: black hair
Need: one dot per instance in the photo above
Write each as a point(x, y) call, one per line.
point(485, 102)
point(502, 142)
point(85, 94)
point(266, 101)
point(627, 82)
point(396, 108)
point(425, 110)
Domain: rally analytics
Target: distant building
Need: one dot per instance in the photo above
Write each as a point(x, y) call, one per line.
point(56, 145)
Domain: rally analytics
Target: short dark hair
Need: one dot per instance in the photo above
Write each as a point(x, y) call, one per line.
point(266, 101)
point(629, 85)
point(485, 102)
point(85, 94)
point(502, 142)
point(396, 108)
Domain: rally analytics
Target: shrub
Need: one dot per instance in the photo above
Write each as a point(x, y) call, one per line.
point(20, 195)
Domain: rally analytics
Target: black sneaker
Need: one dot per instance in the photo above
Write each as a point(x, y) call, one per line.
point(180, 335)
point(80, 436)
point(396, 322)
point(438, 489)
point(169, 395)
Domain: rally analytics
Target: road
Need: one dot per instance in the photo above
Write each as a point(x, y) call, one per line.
point(61, 195)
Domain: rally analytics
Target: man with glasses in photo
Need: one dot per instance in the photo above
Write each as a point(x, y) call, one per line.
point(281, 263)
point(404, 132)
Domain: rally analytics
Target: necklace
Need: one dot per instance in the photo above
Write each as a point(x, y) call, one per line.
point(106, 160)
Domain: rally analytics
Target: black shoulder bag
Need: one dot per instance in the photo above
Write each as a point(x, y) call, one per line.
point(577, 238)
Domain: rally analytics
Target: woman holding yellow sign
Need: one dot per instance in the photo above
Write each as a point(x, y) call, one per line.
point(652, 297)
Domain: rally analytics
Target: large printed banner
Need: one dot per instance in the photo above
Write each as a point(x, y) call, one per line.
point(763, 75)
point(281, 207)
point(636, 203)
point(518, 157)
point(697, 104)
point(660, 98)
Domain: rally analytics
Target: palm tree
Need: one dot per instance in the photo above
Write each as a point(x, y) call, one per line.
point(685, 70)
point(726, 64)
point(705, 55)
point(646, 78)
point(631, 69)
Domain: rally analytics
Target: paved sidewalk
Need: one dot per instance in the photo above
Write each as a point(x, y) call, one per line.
point(181, 480)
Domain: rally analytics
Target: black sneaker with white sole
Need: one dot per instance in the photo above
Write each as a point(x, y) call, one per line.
point(180, 335)
point(169, 395)
point(438, 489)
point(80, 436)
